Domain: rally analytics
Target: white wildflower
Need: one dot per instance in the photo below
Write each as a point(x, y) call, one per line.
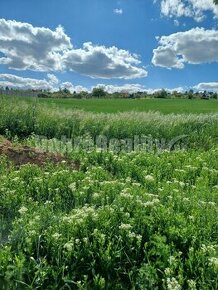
point(211, 203)
point(172, 260)
point(180, 170)
point(22, 210)
point(85, 240)
point(186, 199)
point(77, 241)
point(68, 246)
point(213, 261)
point(125, 227)
point(72, 186)
point(167, 271)
point(182, 184)
point(191, 218)
point(56, 236)
point(173, 284)
point(131, 235)
point(149, 178)
point(208, 249)
point(192, 285)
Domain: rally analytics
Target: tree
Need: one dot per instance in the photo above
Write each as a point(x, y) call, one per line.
point(98, 93)
point(66, 91)
point(162, 94)
point(215, 1)
point(191, 94)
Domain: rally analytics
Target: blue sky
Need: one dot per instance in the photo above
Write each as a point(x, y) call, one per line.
point(128, 25)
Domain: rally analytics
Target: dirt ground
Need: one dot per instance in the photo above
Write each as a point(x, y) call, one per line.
point(20, 155)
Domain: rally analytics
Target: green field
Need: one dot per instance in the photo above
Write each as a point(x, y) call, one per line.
point(139, 105)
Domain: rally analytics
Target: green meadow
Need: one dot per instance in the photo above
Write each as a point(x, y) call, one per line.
point(164, 106)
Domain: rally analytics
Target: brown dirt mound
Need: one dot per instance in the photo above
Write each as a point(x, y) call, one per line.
point(20, 155)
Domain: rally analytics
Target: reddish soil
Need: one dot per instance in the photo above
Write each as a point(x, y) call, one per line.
point(20, 155)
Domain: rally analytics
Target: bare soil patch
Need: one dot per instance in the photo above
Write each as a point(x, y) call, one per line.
point(20, 155)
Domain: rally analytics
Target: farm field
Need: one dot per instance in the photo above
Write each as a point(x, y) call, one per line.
point(165, 106)
point(144, 218)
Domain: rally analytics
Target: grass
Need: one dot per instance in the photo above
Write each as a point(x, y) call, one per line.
point(165, 106)
point(54, 122)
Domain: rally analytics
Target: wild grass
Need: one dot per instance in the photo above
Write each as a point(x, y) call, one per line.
point(24, 118)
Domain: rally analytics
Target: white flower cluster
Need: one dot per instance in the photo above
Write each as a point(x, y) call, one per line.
point(125, 227)
point(23, 210)
point(208, 248)
point(213, 261)
point(80, 215)
point(149, 178)
point(56, 236)
point(68, 246)
point(192, 285)
point(173, 284)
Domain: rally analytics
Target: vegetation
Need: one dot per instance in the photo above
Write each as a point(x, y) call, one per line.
point(165, 106)
point(53, 122)
point(133, 221)
point(138, 219)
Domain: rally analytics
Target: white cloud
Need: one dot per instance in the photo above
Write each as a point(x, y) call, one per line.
point(52, 83)
point(72, 88)
point(152, 91)
point(195, 46)
point(17, 82)
point(213, 86)
point(134, 88)
point(127, 88)
point(40, 49)
point(176, 22)
point(53, 79)
point(102, 62)
point(118, 11)
point(32, 48)
point(188, 8)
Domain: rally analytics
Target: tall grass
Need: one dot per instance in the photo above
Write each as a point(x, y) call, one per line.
point(22, 118)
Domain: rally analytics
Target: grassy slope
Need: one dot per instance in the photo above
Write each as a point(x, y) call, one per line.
point(120, 105)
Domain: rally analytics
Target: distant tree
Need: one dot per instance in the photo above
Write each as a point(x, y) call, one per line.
point(82, 95)
point(215, 1)
point(163, 94)
point(44, 95)
point(66, 91)
point(205, 96)
point(190, 94)
point(98, 93)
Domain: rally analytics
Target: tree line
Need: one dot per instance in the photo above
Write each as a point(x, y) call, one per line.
point(100, 93)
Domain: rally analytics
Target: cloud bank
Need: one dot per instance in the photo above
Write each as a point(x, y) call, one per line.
point(212, 87)
point(25, 47)
point(52, 83)
point(16, 82)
